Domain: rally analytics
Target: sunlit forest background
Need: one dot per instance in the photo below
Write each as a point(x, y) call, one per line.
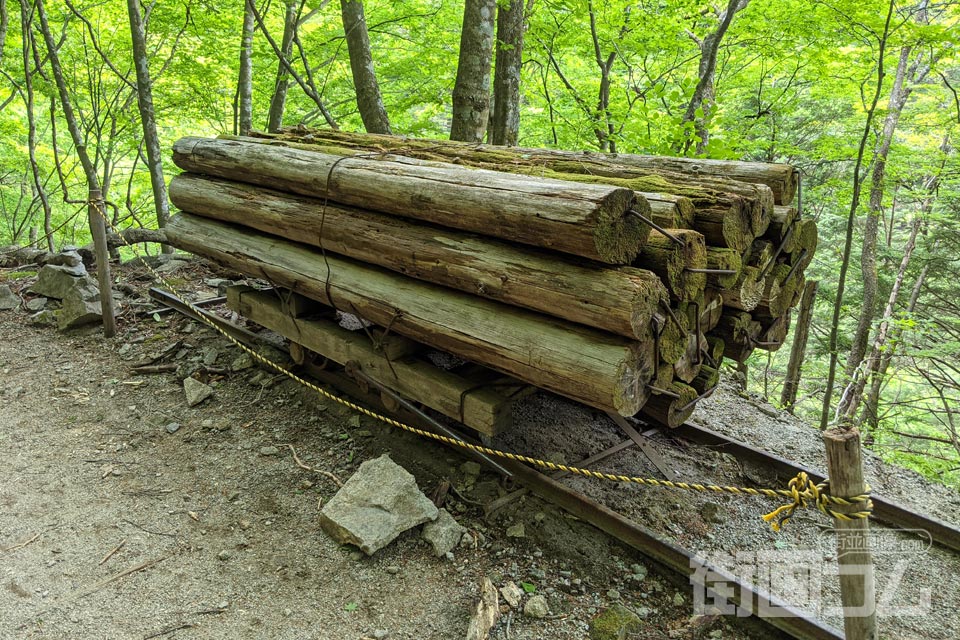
point(863, 96)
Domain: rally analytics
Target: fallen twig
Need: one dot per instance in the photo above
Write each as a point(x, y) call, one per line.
point(117, 576)
point(148, 369)
point(156, 533)
point(22, 544)
point(169, 630)
point(110, 555)
point(300, 464)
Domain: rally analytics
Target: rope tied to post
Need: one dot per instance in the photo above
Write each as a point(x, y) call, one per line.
point(805, 493)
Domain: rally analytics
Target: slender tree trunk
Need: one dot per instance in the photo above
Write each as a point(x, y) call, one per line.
point(471, 92)
point(97, 205)
point(868, 255)
point(4, 23)
point(851, 218)
point(505, 124)
point(147, 115)
point(701, 103)
point(279, 100)
point(245, 81)
point(39, 192)
point(788, 396)
point(369, 100)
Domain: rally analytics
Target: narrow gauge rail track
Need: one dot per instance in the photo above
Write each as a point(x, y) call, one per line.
point(671, 557)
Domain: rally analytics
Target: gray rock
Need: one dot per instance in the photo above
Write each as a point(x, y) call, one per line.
point(44, 318)
point(241, 362)
point(58, 281)
point(80, 307)
point(616, 623)
point(172, 266)
point(381, 634)
point(713, 512)
point(173, 427)
point(223, 555)
point(220, 284)
point(443, 534)
point(35, 304)
point(196, 391)
point(269, 451)
point(516, 531)
point(536, 607)
point(210, 355)
point(70, 259)
point(8, 299)
point(378, 503)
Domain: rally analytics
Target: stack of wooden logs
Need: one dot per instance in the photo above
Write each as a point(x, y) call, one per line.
point(617, 281)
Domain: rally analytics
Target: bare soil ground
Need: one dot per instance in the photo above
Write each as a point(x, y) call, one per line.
point(112, 526)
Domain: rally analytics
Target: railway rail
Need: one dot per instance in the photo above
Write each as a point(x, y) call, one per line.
point(790, 620)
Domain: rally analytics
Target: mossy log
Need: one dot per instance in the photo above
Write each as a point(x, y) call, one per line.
point(673, 261)
point(806, 238)
point(688, 366)
point(722, 259)
point(591, 221)
point(620, 300)
point(760, 254)
point(748, 291)
point(724, 225)
point(597, 368)
point(707, 379)
point(739, 332)
point(773, 333)
point(712, 309)
point(664, 376)
point(780, 221)
point(673, 334)
point(672, 409)
point(715, 349)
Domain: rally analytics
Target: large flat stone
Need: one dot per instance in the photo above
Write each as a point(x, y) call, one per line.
point(8, 299)
point(79, 308)
point(378, 503)
point(59, 281)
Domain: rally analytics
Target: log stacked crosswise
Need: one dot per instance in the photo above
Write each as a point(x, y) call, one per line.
point(617, 281)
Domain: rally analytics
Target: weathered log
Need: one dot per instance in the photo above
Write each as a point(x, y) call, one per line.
point(599, 369)
point(746, 294)
point(725, 225)
point(664, 376)
point(791, 382)
point(669, 211)
point(760, 254)
point(806, 239)
point(672, 257)
point(590, 221)
point(739, 331)
point(628, 166)
point(674, 408)
point(712, 309)
point(688, 366)
point(780, 221)
point(708, 378)
point(774, 333)
point(620, 300)
point(672, 341)
point(715, 349)
point(723, 260)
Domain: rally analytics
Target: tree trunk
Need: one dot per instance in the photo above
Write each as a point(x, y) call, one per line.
point(851, 218)
point(279, 99)
point(596, 368)
point(791, 383)
point(868, 254)
point(621, 301)
point(471, 92)
point(97, 206)
point(245, 80)
point(581, 219)
point(505, 125)
point(369, 101)
point(39, 191)
point(701, 103)
point(147, 115)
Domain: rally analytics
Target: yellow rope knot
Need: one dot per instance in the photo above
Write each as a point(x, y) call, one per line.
point(805, 492)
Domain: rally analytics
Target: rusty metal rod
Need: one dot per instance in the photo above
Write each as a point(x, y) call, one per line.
point(656, 226)
point(705, 394)
point(796, 265)
point(718, 272)
point(665, 392)
point(779, 250)
point(673, 316)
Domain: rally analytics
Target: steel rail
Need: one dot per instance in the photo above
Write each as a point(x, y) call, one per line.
point(884, 509)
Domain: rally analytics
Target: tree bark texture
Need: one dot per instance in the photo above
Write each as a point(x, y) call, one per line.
point(151, 141)
point(593, 367)
point(511, 25)
point(621, 301)
point(581, 219)
point(471, 91)
point(245, 79)
point(278, 100)
point(369, 100)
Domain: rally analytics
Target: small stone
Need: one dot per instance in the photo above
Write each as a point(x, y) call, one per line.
point(516, 531)
point(241, 362)
point(233, 497)
point(449, 556)
point(207, 423)
point(269, 451)
point(470, 469)
point(639, 572)
point(173, 427)
point(356, 555)
point(8, 299)
point(34, 304)
point(245, 524)
point(381, 634)
point(536, 607)
point(678, 599)
point(613, 594)
point(44, 318)
point(210, 355)
point(512, 594)
point(223, 555)
point(223, 605)
point(716, 634)
point(363, 433)
point(393, 570)
point(443, 534)
point(712, 512)
point(196, 391)
point(354, 421)
point(642, 612)
point(615, 623)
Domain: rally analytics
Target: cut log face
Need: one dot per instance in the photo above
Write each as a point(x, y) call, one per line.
point(586, 220)
point(739, 332)
point(673, 261)
point(781, 220)
point(748, 291)
point(724, 225)
point(672, 409)
point(620, 300)
point(593, 367)
point(721, 259)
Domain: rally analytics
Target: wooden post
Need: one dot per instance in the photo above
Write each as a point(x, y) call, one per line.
point(96, 209)
point(855, 560)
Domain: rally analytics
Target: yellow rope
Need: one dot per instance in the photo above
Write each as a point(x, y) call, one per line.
point(801, 490)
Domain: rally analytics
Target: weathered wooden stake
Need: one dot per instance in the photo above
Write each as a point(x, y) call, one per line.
point(855, 560)
point(96, 209)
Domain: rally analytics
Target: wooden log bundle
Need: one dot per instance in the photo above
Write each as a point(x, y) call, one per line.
point(620, 282)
